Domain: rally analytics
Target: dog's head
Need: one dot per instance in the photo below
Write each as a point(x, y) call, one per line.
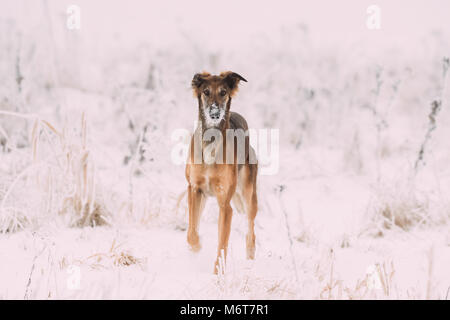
point(214, 94)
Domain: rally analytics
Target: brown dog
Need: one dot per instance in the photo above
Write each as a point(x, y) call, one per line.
point(210, 171)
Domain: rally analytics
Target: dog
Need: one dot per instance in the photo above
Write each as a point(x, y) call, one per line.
point(211, 172)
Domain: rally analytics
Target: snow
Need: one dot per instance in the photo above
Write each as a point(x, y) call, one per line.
point(343, 213)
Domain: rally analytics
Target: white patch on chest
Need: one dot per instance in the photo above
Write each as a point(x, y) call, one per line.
point(207, 187)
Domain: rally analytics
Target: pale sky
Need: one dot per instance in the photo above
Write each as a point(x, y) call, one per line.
point(221, 24)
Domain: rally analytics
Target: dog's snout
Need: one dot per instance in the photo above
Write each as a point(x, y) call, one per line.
point(214, 112)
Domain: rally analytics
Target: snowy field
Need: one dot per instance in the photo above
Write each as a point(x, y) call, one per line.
point(93, 207)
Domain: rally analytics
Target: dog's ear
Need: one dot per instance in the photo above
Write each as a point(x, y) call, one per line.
point(198, 80)
point(232, 80)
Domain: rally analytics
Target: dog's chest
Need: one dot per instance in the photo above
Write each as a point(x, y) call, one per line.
point(207, 187)
point(211, 180)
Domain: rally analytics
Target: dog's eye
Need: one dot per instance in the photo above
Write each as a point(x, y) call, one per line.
point(223, 92)
point(206, 92)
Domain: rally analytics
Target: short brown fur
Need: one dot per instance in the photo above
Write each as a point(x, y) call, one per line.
point(226, 182)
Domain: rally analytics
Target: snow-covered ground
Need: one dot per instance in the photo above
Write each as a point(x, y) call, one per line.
point(92, 205)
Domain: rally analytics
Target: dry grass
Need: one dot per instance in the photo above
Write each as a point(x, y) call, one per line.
point(116, 257)
point(341, 117)
point(399, 206)
point(61, 172)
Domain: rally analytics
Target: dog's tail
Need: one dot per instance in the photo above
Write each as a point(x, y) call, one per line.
point(179, 198)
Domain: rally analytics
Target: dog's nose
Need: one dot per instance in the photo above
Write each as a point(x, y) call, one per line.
point(214, 112)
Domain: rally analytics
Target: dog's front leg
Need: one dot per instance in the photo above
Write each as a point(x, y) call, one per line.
point(196, 200)
point(225, 216)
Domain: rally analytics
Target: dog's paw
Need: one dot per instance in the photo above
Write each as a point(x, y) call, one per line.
point(250, 253)
point(195, 247)
point(194, 243)
point(250, 246)
point(219, 267)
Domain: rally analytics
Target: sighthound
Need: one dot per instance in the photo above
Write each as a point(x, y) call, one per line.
point(227, 176)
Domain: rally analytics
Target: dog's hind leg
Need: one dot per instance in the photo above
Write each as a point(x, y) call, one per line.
point(196, 200)
point(251, 205)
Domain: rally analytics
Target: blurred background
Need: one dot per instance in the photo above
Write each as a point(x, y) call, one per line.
point(87, 117)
